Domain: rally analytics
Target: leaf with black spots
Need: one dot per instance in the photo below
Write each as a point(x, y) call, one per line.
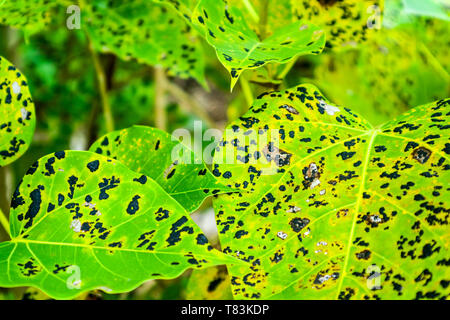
point(29, 15)
point(346, 22)
point(158, 155)
point(238, 47)
point(17, 116)
point(72, 229)
point(150, 32)
point(332, 208)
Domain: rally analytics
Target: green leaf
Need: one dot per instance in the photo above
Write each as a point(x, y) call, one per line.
point(428, 8)
point(346, 22)
point(396, 56)
point(17, 118)
point(239, 48)
point(171, 164)
point(336, 201)
point(80, 221)
point(30, 16)
point(150, 32)
point(209, 284)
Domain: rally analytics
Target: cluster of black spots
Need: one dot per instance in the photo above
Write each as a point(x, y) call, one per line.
point(289, 108)
point(161, 214)
point(201, 239)
point(34, 207)
point(310, 173)
point(105, 185)
point(277, 257)
point(93, 165)
point(59, 268)
point(421, 154)
point(142, 179)
point(425, 276)
point(14, 147)
point(279, 157)
point(364, 255)
point(28, 268)
point(133, 206)
point(176, 230)
point(145, 238)
point(347, 294)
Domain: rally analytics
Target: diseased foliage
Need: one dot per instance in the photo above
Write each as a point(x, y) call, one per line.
point(396, 56)
point(150, 32)
point(81, 220)
point(17, 116)
point(149, 151)
point(313, 200)
point(30, 15)
point(340, 198)
point(239, 48)
point(346, 22)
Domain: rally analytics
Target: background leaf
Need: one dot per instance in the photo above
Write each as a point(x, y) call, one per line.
point(82, 220)
point(30, 16)
point(343, 202)
point(149, 151)
point(239, 48)
point(346, 22)
point(17, 116)
point(150, 32)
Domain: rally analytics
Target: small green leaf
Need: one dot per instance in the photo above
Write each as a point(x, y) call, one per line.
point(80, 221)
point(17, 118)
point(209, 284)
point(30, 16)
point(171, 164)
point(336, 201)
point(150, 32)
point(239, 48)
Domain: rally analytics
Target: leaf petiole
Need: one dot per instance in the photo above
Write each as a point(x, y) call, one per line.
point(4, 221)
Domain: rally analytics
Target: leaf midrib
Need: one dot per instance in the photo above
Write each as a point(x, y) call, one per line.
point(357, 207)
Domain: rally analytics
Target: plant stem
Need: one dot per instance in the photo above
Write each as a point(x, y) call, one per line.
point(101, 79)
point(246, 90)
point(263, 19)
point(160, 99)
point(189, 104)
point(434, 62)
point(251, 11)
point(288, 66)
point(4, 221)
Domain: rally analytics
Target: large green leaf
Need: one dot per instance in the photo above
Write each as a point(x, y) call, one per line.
point(81, 221)
point(239, 48)
point(17, 118)
point(337, 201)
point(174, 166)
point(152, 33)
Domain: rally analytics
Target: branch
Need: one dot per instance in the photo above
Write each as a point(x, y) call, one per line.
point(101, 79)
point(160, 99)
point(189, 104)
point(4, 221)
